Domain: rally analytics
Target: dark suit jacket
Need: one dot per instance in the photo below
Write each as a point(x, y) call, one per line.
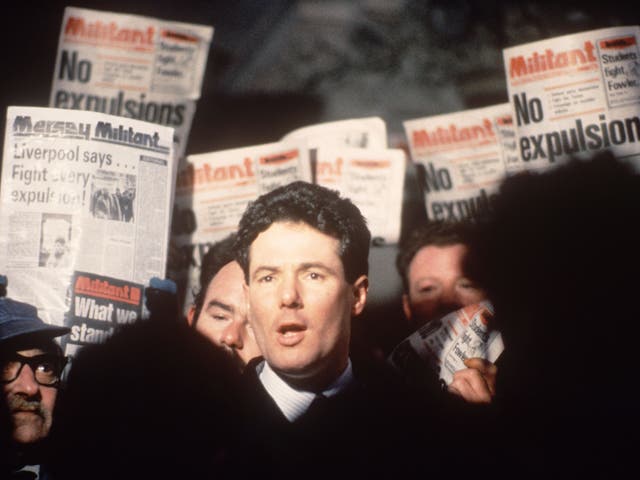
point(375, 428)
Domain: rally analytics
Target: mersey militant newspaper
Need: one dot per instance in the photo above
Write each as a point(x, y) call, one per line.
point(132, 66)
point(576, 95)
point(85, 210)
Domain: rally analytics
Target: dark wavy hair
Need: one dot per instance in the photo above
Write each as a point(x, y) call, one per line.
point(436, 233)
point(316, 206)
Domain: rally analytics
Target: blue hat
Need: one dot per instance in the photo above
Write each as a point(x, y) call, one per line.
point(164, 285)
point(17, 319)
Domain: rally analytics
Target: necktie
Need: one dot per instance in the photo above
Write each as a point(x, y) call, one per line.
point(317, 409)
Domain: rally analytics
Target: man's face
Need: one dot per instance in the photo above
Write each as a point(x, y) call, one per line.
point(437, 285)
point(301, 304)
point(30, 404)
point(223, 318)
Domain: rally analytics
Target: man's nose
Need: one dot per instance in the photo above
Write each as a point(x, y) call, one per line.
point(290, 292)
point(26, 382)
point(231, 335)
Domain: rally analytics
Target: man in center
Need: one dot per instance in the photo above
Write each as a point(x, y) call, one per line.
point(304, 252)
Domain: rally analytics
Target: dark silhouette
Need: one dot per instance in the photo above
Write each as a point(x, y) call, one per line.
point(560, 261)
point(155, 401)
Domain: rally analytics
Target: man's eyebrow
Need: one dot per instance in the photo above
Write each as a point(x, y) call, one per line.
point(219, 304)
point(264, 268)
point(318, 265)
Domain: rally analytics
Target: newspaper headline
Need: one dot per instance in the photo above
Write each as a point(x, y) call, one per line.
point(574, 95)
point(132, 66)
point(462, 158)
point(82, 192)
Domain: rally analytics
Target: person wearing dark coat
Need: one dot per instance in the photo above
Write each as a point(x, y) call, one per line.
point(304, 253)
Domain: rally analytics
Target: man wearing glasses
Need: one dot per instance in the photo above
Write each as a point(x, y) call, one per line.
point(31, 364)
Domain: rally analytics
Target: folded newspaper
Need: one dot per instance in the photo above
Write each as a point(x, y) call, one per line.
point(446, 343)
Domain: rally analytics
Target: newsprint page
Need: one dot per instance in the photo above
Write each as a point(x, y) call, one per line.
point(84, 217)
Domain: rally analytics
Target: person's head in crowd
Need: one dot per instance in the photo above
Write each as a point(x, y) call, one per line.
point(156, 400)
point(219, 311)
point(559, 259)
point(32, 363)
point(430, 262)
point(304, 252)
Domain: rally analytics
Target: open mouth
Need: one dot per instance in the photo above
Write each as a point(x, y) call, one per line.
point(290, 334)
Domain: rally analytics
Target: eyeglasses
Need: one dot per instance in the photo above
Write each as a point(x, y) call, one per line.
point(46, 368)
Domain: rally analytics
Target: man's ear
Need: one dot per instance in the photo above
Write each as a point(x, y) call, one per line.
point(406, 306)
point(191, 316)
point(360, 287)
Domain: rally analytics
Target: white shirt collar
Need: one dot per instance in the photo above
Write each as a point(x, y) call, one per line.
point(291, 402)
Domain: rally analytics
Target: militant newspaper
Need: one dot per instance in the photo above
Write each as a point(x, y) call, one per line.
point(462, 157)
point(84, 215)
point(446, 343)
point(576, 95)
point(131, 66)
point(351, 156)
point(369, 132)
point(373, 179)
point(213, 190)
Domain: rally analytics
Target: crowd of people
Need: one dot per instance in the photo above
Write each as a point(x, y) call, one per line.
point(261, 378)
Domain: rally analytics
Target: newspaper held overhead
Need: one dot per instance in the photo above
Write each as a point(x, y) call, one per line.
point(84, 218)
point(213, 190)
point(370, 132)
point(132, 66)
point(373, 179)
point(351, 156)
point(446, 343)
point(575, 95)
point(462, 158)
